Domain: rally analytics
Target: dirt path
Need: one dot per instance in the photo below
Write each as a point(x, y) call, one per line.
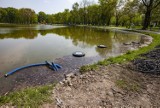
point(110, 86)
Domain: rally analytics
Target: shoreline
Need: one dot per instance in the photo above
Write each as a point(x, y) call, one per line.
point(36, 76)
point(109, 85)
point(105, 64)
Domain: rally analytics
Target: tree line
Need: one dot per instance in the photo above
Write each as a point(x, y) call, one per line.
point(106, 12)
point(21, 16)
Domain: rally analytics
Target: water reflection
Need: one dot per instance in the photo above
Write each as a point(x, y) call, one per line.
point(24, 45)
point(27, 34)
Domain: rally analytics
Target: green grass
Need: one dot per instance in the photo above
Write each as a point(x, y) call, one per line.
point(28, 98)
point(130, 55)
point(85, 68)
point(130, 86)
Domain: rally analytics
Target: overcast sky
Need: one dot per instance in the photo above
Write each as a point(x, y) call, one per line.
point(47, 6)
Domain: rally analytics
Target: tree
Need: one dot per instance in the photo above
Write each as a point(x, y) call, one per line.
point(66, 16)
point(50, 19)
point(156, 16)
point(119, 10)
point(74, 13)
point(11, 15)
point(107, 8)
point(149, 6)
point(93, 14)
point(3, 15)
point(42, 17)
point(27, 16)
point(58, 18)
point(84, 5)
point(130, 10)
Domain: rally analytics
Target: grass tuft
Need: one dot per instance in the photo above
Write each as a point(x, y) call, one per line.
point(28, 98)
point(130, 86)
point(87, 68)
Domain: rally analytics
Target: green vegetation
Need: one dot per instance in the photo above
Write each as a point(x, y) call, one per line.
point(131, 86)
point(130, 55)
point(28, 98)
point(130, 13)
point(83, 69)
point(21, 16)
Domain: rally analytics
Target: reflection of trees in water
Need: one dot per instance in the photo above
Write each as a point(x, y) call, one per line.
point(80, 36)
point(86, 37)
point(119, 38)
point(124, 37)
point(83, 35)
point(27, 34)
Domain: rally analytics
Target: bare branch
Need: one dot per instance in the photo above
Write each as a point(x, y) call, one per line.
point(144, 3)
point(156, 5)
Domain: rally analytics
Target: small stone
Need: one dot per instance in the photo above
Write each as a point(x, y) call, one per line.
point(68, 89)
point(110, 93)
point(81, 76)
point(61, 82)
point(69, 83)
point(71, 75)
point(59, 102)
point(76, 74)
point(117, 64)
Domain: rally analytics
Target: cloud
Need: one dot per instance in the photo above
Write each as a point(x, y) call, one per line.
point(46, 1)
point(78, 1)
point(73, 1)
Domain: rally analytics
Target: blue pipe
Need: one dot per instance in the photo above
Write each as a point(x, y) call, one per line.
point(53, 66)
point(58, 66)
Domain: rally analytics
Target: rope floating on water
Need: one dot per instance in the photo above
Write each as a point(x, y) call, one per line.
point(51, 65)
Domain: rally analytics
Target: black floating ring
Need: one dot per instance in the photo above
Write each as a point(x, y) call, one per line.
point(78, 54)
point(102, 46)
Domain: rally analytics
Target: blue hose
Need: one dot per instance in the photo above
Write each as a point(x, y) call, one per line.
point(53, 66)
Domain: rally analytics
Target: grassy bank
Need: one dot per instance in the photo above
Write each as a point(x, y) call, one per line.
point(28, 98)
point(130, 55)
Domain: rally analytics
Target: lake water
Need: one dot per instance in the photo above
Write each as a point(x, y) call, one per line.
point(21, 45)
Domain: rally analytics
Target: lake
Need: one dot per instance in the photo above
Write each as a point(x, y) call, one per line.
point(21, 45)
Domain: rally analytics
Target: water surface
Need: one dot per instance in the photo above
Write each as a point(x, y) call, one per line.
point(21, 45)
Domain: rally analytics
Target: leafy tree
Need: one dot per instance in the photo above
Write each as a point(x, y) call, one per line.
point(107, 8)
point(84, 4)
point(42, 17)
point(149, 6)
point(75, 13)
point(130, 9)
point(3, 15)
point(27, 16)
point(66, 15)
point(119, 10)
point(93, 14)
point(156, 15)
point(11, 15)
point(50, 19)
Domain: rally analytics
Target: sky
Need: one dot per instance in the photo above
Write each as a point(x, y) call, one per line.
point(47, 6)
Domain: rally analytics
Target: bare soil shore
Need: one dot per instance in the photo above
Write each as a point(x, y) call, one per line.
point(115, 85)
point(110, 86)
